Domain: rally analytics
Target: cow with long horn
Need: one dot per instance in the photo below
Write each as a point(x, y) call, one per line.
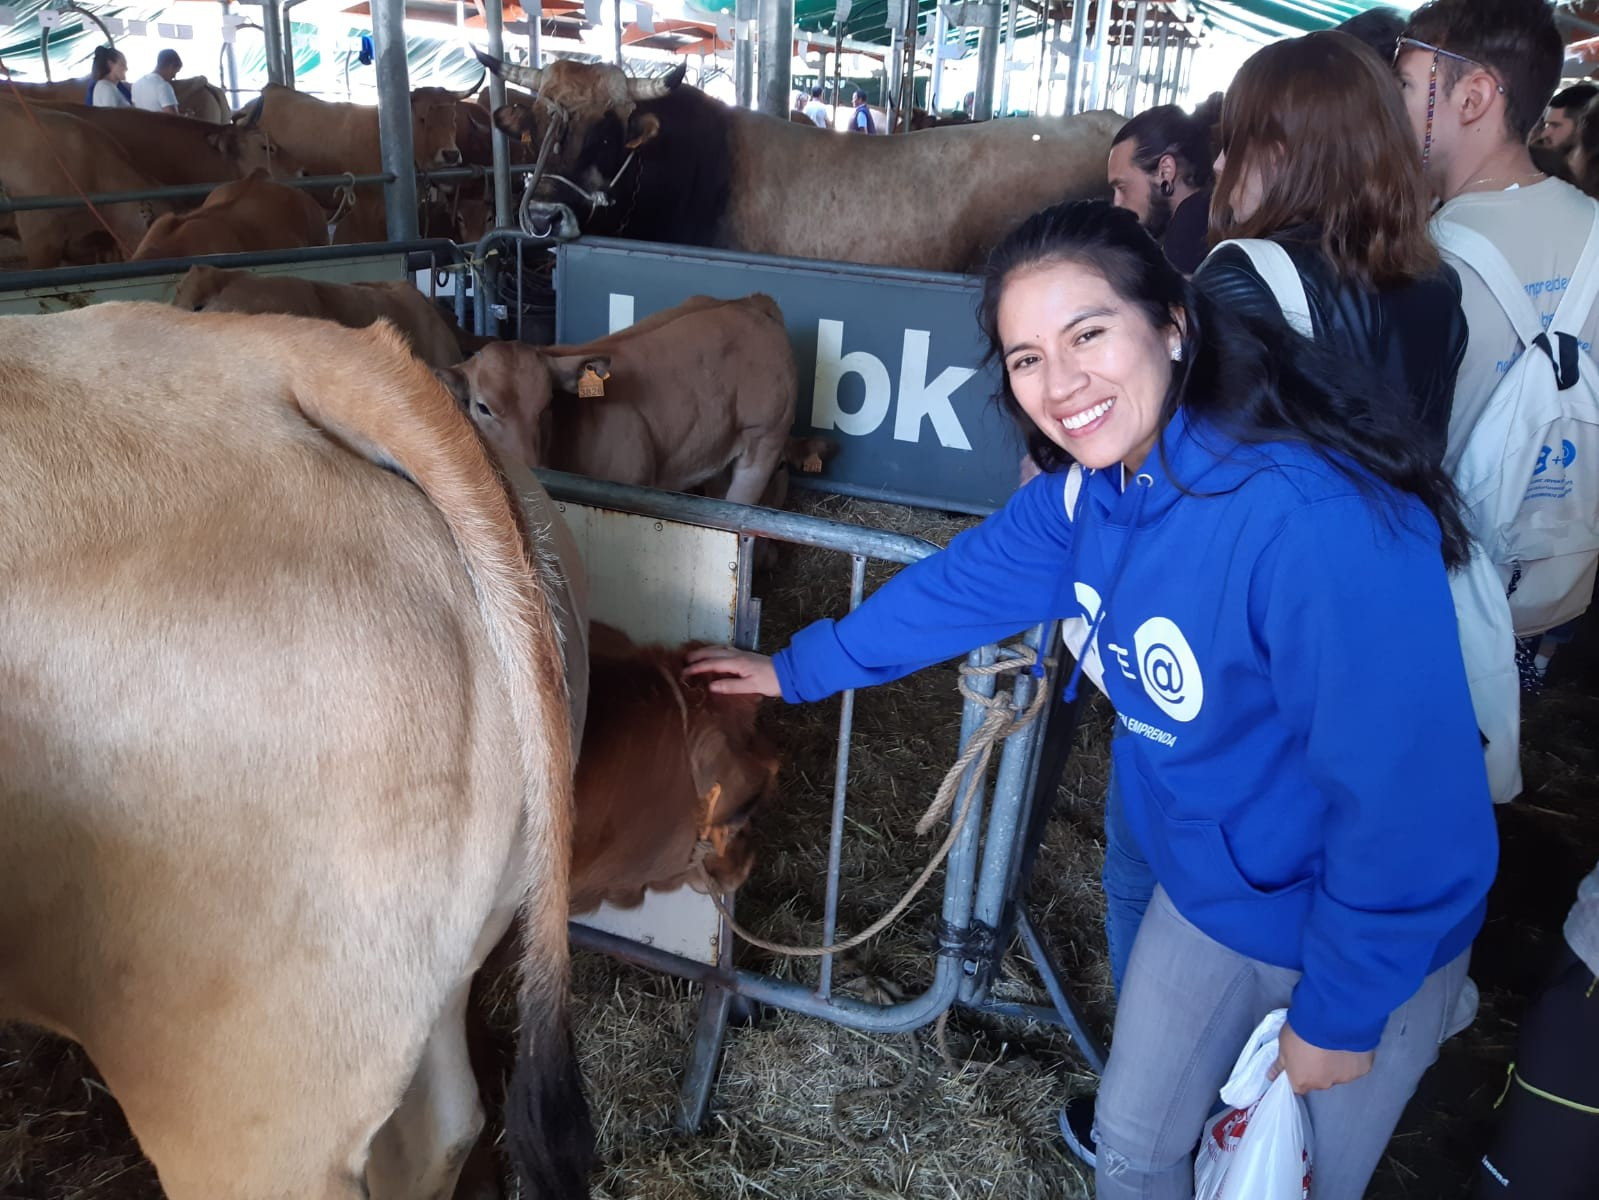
point(658, 160)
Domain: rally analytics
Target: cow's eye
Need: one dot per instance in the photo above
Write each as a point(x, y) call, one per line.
point(484, 409)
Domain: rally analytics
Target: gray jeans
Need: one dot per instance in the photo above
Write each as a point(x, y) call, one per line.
point(1185, 1010)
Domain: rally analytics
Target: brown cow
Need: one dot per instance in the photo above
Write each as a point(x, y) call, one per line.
point(355, 305)
point(331, 139)
point(687, 393)
point(197, 96)
point(284, 743)
point(181, 150)
point(676, 165)
point(45, 152)
point(708, 771)
point(249, 214)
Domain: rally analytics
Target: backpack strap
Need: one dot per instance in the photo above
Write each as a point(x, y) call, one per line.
point(1578, 302)
point(1277, 271)
point(1483, 257)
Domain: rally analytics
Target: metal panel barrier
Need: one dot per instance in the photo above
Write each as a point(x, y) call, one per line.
point(981, 875)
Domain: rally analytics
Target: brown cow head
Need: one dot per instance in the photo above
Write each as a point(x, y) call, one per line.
point(247, 145)
point(593, 110)
point(433, 128)
point(669, 778)
point(507, 387)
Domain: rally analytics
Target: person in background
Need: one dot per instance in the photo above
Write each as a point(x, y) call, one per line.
point(108, 86)
point(1317, 156)
point(1160, 170)
point(1476, 76)
point(153, 92)
point(1546, 1144)
point(1231, 513)
point(862, 121)
point(1583, 154)
point(816, 110)
point(1558, 129)
point(1377, 29)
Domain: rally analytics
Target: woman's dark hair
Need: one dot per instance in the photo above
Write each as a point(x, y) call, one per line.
point(1254, 381)
point(1584, 162)
point(105, 57)
point(1320, 117)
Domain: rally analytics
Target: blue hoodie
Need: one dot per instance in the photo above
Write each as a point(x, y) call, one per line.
point(1308, 786)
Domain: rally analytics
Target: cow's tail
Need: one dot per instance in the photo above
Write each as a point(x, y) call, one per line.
point(400, 416)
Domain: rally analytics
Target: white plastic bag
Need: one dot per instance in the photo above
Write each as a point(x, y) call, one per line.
point(1260, 1148)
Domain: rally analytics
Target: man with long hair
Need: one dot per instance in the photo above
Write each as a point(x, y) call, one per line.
point(1160, 170)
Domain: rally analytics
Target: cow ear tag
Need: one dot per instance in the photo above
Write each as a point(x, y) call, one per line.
point(591, 384)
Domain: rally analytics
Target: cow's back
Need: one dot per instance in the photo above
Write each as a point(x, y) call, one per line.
point(953, 192)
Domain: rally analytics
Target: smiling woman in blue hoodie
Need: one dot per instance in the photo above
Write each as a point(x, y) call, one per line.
point(1237, 519)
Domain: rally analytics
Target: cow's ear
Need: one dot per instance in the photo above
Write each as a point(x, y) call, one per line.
point(222, 139)
point(642, 127)
point(454, 381)
point(516, 121)
point(570, 371)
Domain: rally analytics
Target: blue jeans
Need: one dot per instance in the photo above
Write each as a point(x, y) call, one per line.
point(1129, 883)
point(1190, 1004)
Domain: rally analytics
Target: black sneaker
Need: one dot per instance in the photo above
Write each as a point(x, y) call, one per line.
point(1077, 1126)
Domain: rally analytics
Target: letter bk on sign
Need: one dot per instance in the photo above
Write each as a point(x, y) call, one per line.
point(890, 361)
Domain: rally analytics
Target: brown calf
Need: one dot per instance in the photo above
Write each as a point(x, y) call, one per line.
point(250, 214)
point(687, 392)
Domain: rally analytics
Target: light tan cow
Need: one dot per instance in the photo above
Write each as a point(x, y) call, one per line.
point(327, 138)
point(432, 338)
point(284, 743)
point(689, 393)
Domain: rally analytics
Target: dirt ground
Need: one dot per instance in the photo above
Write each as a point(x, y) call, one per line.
point(983, 1127)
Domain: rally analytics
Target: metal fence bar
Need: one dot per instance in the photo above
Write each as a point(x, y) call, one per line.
point(835, 845)
point(62, 277)
point(180, 191)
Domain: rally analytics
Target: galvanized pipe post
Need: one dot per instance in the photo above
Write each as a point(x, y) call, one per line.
point(1160, 65)
point(1177, 74)
point(533, 10)
point(775, 57)
point(1074, 80)
point(494, 19)
point(394, 118)
point(987, 59)
point(616, 15)
point(232, 60)
point(1185, 75)
point(1010, 55)
point(1134, 81)
point(272, 32)
point(1101, 63)
point(744, 53)
point(940, 36)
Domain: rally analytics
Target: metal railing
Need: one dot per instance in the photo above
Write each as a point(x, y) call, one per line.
point(180, 191)
point(986, 865)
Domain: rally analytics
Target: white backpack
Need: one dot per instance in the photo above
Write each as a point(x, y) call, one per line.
point(1482, 613)
point(1529, 469)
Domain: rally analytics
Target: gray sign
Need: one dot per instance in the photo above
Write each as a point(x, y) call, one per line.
point(890, 361)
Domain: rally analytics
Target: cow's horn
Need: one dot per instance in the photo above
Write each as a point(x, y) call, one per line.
point(527, 77)
point(654, 89)
point(472, 91)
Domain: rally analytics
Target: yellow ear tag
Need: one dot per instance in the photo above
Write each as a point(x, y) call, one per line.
point(591, 384)
point(527, 138)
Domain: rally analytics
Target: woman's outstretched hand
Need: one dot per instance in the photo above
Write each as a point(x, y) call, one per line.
point(738, 672)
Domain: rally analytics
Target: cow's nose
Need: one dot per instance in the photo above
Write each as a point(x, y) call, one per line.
point(450, 157)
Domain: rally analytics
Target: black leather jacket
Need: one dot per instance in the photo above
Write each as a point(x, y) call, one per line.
point(1414, 336)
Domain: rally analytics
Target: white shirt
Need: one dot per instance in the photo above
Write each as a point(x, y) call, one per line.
point(817, 112)
point(1541, 231)
point(108, 95)
point(154, 93)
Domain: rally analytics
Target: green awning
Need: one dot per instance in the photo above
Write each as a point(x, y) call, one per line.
point(1256, 20)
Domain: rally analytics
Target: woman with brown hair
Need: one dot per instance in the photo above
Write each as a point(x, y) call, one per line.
point(1318, 160)
point(1582, 160)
